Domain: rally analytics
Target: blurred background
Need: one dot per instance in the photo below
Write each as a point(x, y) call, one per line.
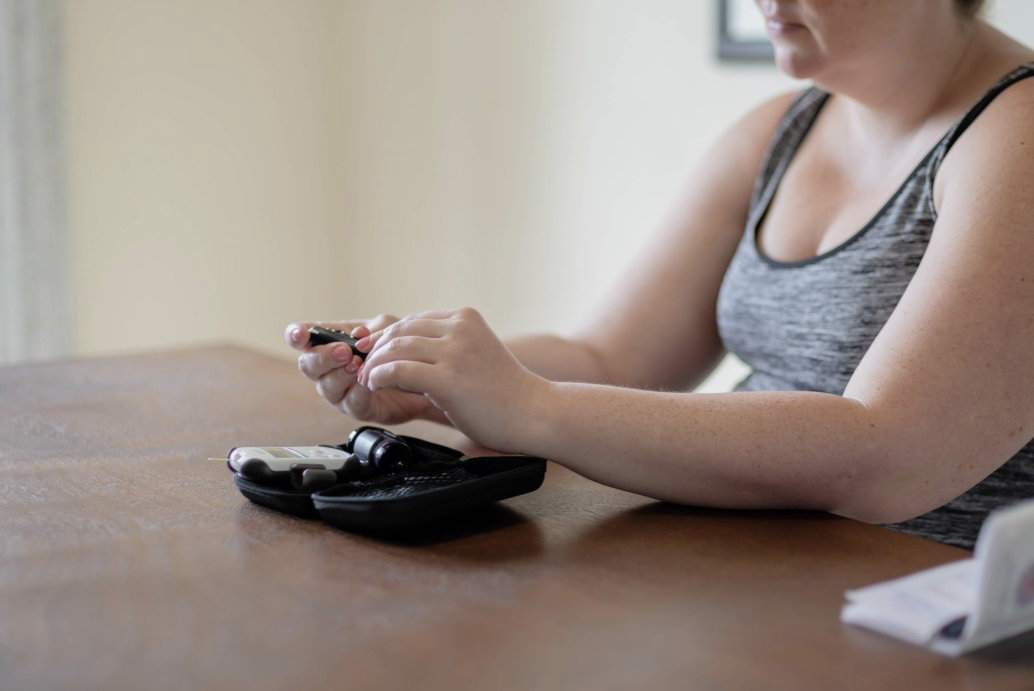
point(198, 171)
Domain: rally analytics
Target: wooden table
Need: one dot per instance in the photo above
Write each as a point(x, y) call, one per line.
point(128, 560)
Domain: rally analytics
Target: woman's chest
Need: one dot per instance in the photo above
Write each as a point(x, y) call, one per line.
point(815, 210)
point(809, 323)
point(830, 192)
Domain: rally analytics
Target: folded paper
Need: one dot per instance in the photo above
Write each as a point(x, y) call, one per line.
point(964, 605)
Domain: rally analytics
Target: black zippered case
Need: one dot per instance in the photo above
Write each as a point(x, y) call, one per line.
point(442, 483)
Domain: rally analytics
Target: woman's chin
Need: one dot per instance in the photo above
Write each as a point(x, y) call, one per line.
point(794, 62)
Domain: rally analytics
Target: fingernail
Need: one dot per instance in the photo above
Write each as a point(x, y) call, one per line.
point(296, 335)
point(352, 368)
point(363, 343)
point(342, 354)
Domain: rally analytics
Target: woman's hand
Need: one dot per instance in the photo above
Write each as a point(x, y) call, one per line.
point(455, 360)
point(333, 368)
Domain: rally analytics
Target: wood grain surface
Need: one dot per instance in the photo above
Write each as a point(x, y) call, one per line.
point(129, 561)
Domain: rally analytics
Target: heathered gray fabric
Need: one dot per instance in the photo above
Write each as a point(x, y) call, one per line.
point(805, 325)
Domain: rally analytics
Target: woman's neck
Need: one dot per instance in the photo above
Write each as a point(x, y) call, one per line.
point(898, 92)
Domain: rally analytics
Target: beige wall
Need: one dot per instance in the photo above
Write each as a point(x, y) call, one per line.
point(235, 164)
point(200, 168)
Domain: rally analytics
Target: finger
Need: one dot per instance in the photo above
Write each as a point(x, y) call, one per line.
point(410, 326)
point(334, 385)
point(406, 375)
point(356, 402)
point(337, 385)
point(375, 325)
point(436, 314)
point(458, 314)
point(318, 361)
point(347, 395)
point(297, 333)
point(416, 348)
point(380, 321)
point(437, 323)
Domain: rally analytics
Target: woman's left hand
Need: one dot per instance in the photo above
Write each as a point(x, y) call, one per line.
point(456, 361)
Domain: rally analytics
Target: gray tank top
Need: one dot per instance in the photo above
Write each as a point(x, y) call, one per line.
point(805, 325)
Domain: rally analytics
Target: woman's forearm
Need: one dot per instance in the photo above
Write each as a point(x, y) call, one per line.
point(736, 450)
point(560, 359)
point(876, 458)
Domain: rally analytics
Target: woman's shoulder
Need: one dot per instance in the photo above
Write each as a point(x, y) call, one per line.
point(762, 120)
point(1017, 96)
point(1012, 93)
point(999, 141)
point(747, 139)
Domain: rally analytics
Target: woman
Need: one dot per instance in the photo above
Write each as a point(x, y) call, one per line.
point(883, 294)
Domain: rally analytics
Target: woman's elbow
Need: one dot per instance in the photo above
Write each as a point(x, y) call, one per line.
point(892, 497)
point(879, 512)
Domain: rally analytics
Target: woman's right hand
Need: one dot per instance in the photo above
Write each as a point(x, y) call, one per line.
point(333, 369)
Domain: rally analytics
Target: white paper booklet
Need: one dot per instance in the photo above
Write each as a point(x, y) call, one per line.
point(963, 605)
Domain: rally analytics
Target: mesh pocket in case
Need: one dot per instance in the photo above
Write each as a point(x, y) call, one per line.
point(411, 498)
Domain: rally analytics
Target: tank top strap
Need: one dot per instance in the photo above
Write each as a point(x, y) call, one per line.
point(786, 139)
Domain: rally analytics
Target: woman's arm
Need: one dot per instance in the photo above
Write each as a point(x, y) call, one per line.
point(684, 264)
point(668, 294)
point(943, 397)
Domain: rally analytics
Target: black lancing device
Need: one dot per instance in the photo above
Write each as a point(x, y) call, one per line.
point(319, 335)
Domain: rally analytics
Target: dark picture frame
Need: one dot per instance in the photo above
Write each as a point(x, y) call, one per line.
point(739, 37)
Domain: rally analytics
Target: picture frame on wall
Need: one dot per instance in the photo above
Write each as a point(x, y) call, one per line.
point(742, 36)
